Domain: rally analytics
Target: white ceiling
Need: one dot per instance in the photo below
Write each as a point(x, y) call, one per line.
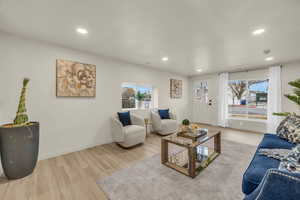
point(214, 35)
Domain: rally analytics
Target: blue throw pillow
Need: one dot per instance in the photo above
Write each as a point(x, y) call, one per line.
point(289, 129)
point(164, 114)
point(124, 118)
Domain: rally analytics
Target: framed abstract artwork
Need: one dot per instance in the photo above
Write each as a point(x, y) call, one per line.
point(175, 88)
point(75, 79)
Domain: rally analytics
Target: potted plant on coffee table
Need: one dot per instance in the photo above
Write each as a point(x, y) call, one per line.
point(185, 125)
point(19, 142)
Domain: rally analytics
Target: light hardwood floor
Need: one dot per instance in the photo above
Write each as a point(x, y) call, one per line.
point(73, 176)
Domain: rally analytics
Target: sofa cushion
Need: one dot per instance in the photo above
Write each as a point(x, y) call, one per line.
point(272, 141)
point(164, 114)
point(124, 118)
point(289, 128)
point(260, 163)
point(291, 162)
point(256, 171)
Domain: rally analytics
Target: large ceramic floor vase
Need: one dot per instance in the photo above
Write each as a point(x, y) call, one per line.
point(19, 147)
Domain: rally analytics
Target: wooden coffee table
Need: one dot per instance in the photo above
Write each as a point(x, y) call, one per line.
point(191, 156)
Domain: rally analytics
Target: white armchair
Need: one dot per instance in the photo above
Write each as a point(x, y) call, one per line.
point(128, 136)
point(164, 126)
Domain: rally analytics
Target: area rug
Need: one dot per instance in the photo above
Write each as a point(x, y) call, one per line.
point(150, 180)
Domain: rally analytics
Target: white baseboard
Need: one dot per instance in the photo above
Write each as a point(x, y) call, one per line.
point(71, 150)
point(59, 153)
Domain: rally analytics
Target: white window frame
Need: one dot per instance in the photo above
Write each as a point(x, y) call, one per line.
point(247, 118)
point(136, 105)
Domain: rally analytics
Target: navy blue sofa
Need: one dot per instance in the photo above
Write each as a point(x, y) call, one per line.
point(263, 181)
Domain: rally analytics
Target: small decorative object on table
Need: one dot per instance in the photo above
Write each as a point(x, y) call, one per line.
point(185, 125)
point(193, 132)
point(191, 135)
point(185, 122)
point(202, 131)
point(194, 127)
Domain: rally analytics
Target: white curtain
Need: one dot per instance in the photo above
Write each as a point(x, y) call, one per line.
point(223, 100)
point(274, 98)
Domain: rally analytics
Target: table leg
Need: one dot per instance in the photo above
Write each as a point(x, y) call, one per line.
point(217, 143)
point(192, 161)
point(164, 151)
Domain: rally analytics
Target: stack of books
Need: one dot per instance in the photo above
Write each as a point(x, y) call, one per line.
point(201, 132)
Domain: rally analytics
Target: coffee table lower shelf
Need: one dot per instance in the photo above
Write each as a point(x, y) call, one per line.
point(187, 171)
point(193, 158)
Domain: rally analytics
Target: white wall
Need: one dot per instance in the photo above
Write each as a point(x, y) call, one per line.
point(71, 124)
point(290, 71)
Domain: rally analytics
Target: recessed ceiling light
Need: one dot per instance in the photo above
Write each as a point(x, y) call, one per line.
point(258, 31)
point(82, 31)
point(165, 59)
point(269, 58)
point(199, 70)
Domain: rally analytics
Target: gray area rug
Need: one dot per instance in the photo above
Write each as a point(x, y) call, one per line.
point(150, 180)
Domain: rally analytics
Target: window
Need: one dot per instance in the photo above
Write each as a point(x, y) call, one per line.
point(136, 96)
point(248, 99)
